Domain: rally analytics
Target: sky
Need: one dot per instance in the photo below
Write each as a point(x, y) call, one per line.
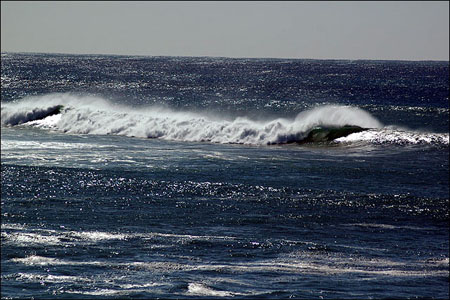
point(294, 29)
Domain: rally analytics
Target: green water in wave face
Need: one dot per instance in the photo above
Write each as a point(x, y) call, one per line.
point(325, 134)
point(56, 110)
point(96, 214)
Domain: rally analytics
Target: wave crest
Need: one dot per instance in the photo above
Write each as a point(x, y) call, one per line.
point(93, 115)
point(18, 117)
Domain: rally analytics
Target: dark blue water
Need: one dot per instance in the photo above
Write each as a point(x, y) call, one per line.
point(172, 177)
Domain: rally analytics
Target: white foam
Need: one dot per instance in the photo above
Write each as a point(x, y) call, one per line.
point(98, 292)
point(53, 237)
point(48, 278)
point(36, 260)
point(388, 226)
point(316, 264)
point(125, 289)
point(396, 136)
point(48, 122)
point(13, 225)
point(140, 286)
point(96, 236)
point(191, 237)
point(199, 289)
point(33, 145)
point(89, 115)
point(30, 239)
point(292, 264)
point(37, 236)
point(298, 262)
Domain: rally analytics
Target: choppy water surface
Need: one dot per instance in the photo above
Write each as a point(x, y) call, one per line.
point(198, 177)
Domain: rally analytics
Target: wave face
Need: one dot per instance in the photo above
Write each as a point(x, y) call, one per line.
point(21, 116)
point(92, 115)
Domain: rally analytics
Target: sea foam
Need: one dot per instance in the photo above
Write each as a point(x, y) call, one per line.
point(94, 115)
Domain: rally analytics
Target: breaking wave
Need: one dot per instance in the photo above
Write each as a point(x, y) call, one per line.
point(392, 135)
point(92, 115)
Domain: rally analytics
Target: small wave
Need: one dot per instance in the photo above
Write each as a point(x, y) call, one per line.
point(51, 237)
point(388, 226)
point(36, 260)
point(32, 277)
point(199, 289)
point(30, 239)
point(96, 236)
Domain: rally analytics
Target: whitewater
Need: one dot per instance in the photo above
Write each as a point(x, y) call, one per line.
point(92, 115)
point(199, 178)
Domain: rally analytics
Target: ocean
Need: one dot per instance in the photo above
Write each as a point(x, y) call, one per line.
point(202, 177)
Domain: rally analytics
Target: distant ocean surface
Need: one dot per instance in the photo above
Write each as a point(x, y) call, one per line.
point(185, 177)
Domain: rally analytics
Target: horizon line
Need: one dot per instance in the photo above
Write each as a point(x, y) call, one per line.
point(228, 57)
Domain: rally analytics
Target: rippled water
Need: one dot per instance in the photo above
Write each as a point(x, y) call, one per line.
point(92, 209)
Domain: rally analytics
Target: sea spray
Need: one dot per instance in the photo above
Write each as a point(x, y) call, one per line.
point(87, 215)
point(91, 115)
point(94, 115)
